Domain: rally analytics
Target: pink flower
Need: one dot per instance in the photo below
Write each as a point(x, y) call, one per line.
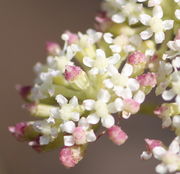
point(148, 79)
point(117, 135)
point(131, 106)
point(23, 91)
point(53, 48)
point(70, 156)
point(72, 37)
point(71, 72)
point(79, 135)
point(151, 144)
point(136, 58)
point(160, 110)
point(18, 130)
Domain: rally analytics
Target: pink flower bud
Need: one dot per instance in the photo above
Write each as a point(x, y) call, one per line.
point(153, 58)
point(151, 144)
point(70, 156)
point(18, 130)
point(72, 37)
point(148, 79)
point(160, 110)
point(131, 106)
point(117, 135)
point(71, 72)
point(35, 144)
point(53, 48)
point(79, 135)
point(31, 107)
point(136, 58)
point(24, 91)
point(177, 35)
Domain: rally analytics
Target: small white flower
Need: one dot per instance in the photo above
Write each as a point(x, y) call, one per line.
point(156, 25)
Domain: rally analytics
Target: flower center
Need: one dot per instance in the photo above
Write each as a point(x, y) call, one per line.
point(156, 24)
point(101, 109)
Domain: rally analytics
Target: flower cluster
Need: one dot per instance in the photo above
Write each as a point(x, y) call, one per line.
point(98, 77)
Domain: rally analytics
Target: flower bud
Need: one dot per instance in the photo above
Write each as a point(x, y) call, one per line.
point(131, 106)
point(18, 130)
point(24, 91)
point(79, 135)
point(70, 156)
point(53, 48)
point(151, 144)
point(148, 79)
point(136, 58)
point(117, 135)
point(76, 77)
point(72, 38)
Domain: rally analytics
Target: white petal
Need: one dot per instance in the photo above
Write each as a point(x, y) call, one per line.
point(144, 19)
point(115, 48)
point(108, 38)
point(108, 83)
point(83, 123)
point(68, 127)
point(168, 95)
point(174, 146)
point(114, 59)
point(168, 24)
point(145, 155)
point(176, 62)
point(158, 152)
point(139, 97)
point(159, 37)
point(100, 53)
point(90, 136)
point(126, 93)
point(44, 140)
point(103, 95)
point(146, 34)
point(74, 101)
point(68, 140)
point(88, 61)
point(127, 70)
point(118, 18)
point(158, 12)
point(133, 84)
point(161, 169)
point(152, 3)
point(178, 99)
point(118, 104)
point(108, 121)
point(93, 119)
point(177, 14)
point(112, 70)
point(94, 71)
point(75, 116)
point(133, 20)
point(88, 104)
point(61, 99)
point(111, 108)
point(176, 121)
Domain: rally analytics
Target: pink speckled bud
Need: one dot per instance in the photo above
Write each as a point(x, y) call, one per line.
point(53, 48)
point(79, 135)
point(24, 91)
point(117, 135)
point(72, 37)
point(148, 79)
point(151, 144)
point(70, 156)
point(136, 58)
point(71, 72)
point(18, 130)
point(131, 106)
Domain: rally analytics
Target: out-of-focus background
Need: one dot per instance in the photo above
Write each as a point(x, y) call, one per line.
point(25, 26)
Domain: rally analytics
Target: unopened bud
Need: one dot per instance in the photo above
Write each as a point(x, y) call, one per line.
point(79, 135)
point(53, 48)
point(24, 91)
point(131, 106)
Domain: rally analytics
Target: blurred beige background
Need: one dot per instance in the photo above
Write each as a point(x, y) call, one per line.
point(25, 25)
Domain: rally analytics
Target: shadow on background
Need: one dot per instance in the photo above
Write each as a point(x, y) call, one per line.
point(25, 27)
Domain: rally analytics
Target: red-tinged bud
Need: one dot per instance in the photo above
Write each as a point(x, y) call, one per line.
point(72, 37)
point(177, 35)
point(71, 72)
point(35, 144)
point(117, 135)
point(151, 144)
point(136, 58)
point(160, 110)
point(148, 79)
point(131, 106)
point(79, 135)
point(24, 91)
point(18, 130)
point(70, 156)
point(53, 48)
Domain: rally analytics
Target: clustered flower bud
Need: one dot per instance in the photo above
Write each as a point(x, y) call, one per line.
point(98, 77)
